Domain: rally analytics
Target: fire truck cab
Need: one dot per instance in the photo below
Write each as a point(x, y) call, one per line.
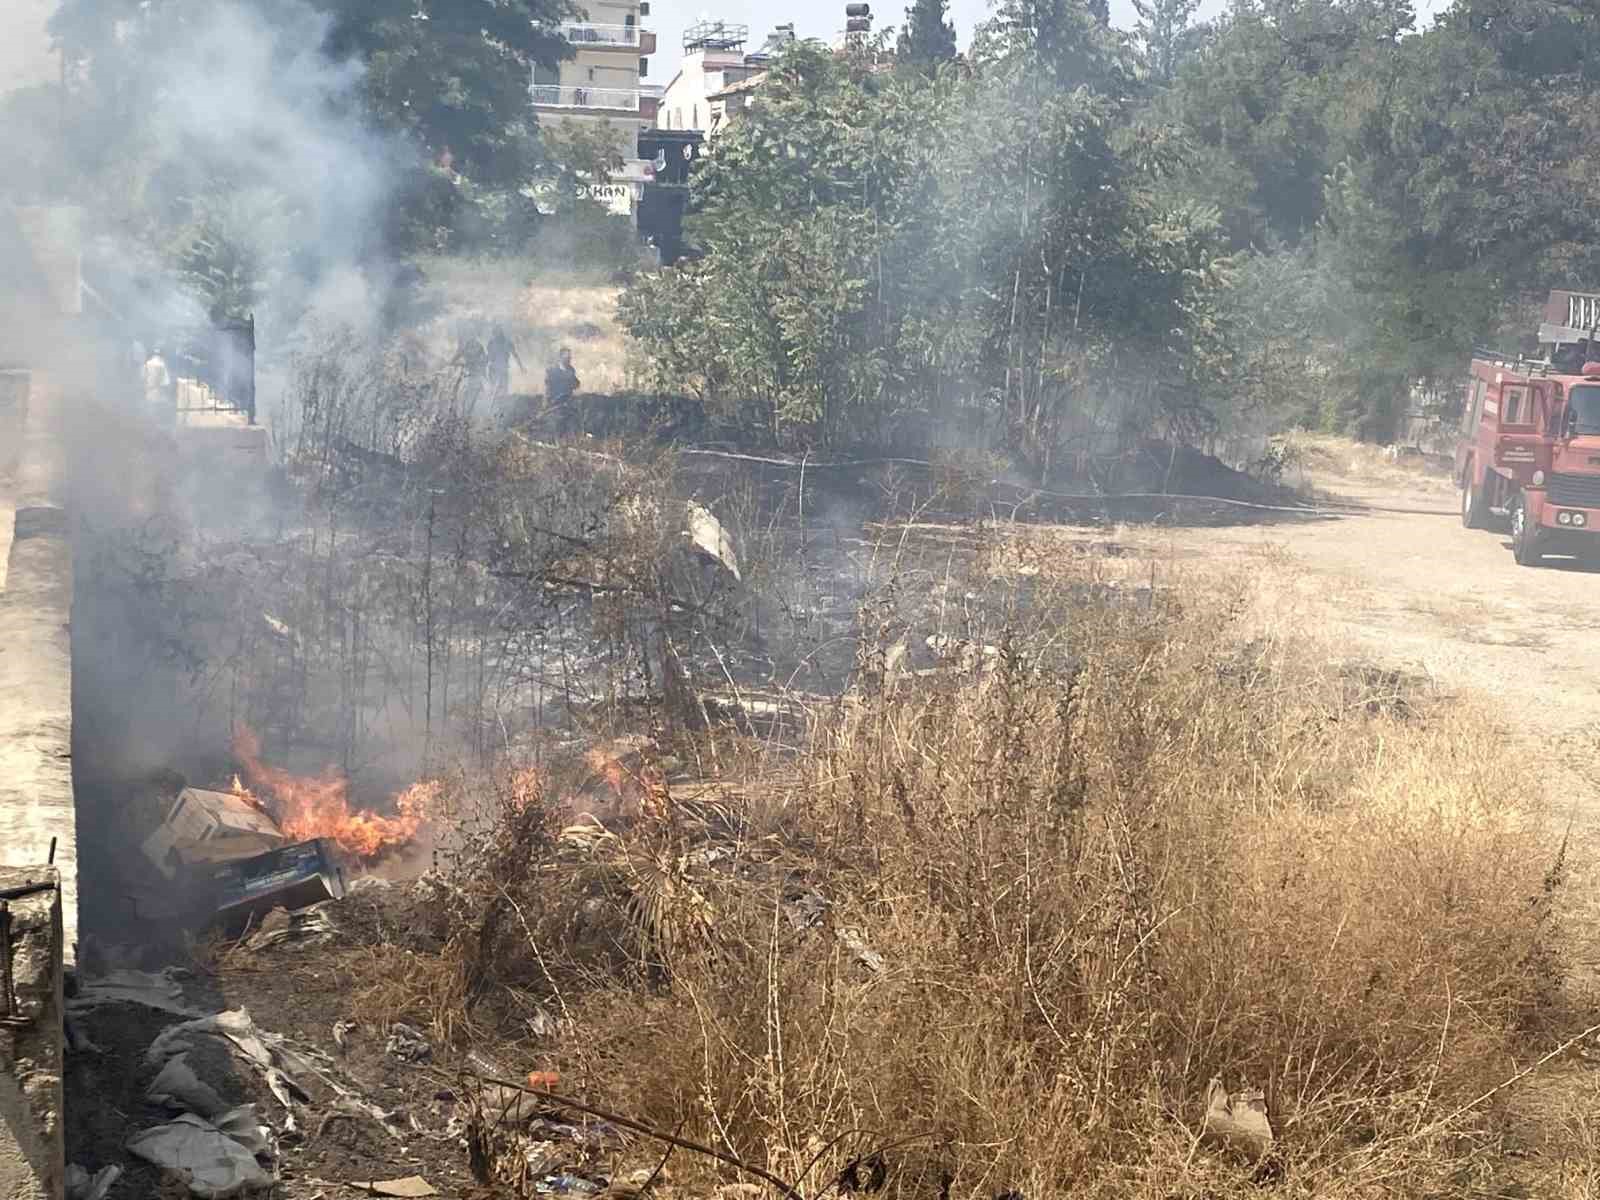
point(1559, 510)
point(1530, 436)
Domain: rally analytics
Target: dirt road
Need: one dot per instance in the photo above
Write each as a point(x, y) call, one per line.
point(1422, 593)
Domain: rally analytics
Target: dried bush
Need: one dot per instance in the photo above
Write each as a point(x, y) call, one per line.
point(1101, 866)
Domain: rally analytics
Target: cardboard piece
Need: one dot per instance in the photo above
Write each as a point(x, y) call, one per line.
point(204, 827)
point(411, 1185)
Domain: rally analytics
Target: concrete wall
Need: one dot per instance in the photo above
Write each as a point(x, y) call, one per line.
point(32, 1145)
point(36, 794)
point(687, 103)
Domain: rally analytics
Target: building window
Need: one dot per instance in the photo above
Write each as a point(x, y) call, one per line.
point(696, 124)
point(629, 21)
point(644, 68)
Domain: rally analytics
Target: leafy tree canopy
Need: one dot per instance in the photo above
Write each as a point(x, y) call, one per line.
point(928, 38)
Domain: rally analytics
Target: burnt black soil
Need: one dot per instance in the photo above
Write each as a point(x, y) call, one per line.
point(105, 1091)
point(299, 991)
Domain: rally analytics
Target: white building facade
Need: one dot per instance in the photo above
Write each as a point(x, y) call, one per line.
point(717, 78)
point(606, 82)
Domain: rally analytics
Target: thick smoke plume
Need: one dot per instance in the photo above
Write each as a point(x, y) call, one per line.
point(261, 136)
point(216, 159)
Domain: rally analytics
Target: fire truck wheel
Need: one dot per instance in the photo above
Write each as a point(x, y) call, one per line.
point(1474, 503)
point(1524, 536)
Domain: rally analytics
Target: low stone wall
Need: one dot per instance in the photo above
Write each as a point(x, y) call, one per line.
point(32, 1147)
point(37, 806)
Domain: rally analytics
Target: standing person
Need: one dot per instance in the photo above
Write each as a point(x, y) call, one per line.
point(560, 384)
point(501, 351)
point(160, 392)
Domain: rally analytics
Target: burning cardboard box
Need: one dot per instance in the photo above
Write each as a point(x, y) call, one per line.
point(208, 828)
point(222, 852)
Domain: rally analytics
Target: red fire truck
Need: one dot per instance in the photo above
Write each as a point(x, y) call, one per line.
point(1530, 438)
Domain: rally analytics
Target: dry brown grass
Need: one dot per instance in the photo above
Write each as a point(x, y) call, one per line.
point(1326, 463)
point(1110, 853)
point(542, 309)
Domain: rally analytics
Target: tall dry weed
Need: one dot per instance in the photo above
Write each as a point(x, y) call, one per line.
point(1102, 858)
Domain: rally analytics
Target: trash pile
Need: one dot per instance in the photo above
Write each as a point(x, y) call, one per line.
point(231, 1108)
point(196, 1068)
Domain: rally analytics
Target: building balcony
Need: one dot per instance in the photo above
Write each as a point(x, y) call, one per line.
point(650, 96)
point(590, 35)
point(585, 99)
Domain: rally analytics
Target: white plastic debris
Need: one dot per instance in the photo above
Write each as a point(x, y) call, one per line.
point(286, 1069)
point(239, 1031)
point(212, 1163)
point(1237, 1121)
point(244, 1127)
point(312, 926)
point(707, 534)
point(80, 1185)
point(407, 1043)
point(178, 1087)
point(853, 941)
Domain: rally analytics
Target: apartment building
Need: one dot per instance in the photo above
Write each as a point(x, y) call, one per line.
point(606, 81)
point(716, 76)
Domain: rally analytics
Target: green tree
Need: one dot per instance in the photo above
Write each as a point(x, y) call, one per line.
point(1472, 187)
point(454, 75)
point(928, 38)
point(1272, 98)
point(1291, 214)
point(1163, 29)
point(889, 255)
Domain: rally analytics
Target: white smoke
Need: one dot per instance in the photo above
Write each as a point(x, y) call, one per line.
point(259, 106)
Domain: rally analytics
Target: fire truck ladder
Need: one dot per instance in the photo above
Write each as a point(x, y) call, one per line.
point(1514, 362)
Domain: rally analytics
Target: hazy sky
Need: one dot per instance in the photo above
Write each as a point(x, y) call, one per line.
point(24, 46)
point(825, 18)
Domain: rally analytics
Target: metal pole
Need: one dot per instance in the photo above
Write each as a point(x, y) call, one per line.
point(7, 1001)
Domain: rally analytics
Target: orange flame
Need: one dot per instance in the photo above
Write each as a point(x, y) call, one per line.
point(308, 807)
point(642, 789)
point(609, 768)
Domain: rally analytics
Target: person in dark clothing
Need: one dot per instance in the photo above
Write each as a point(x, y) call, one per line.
point(561, 383)
point(501, 351)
